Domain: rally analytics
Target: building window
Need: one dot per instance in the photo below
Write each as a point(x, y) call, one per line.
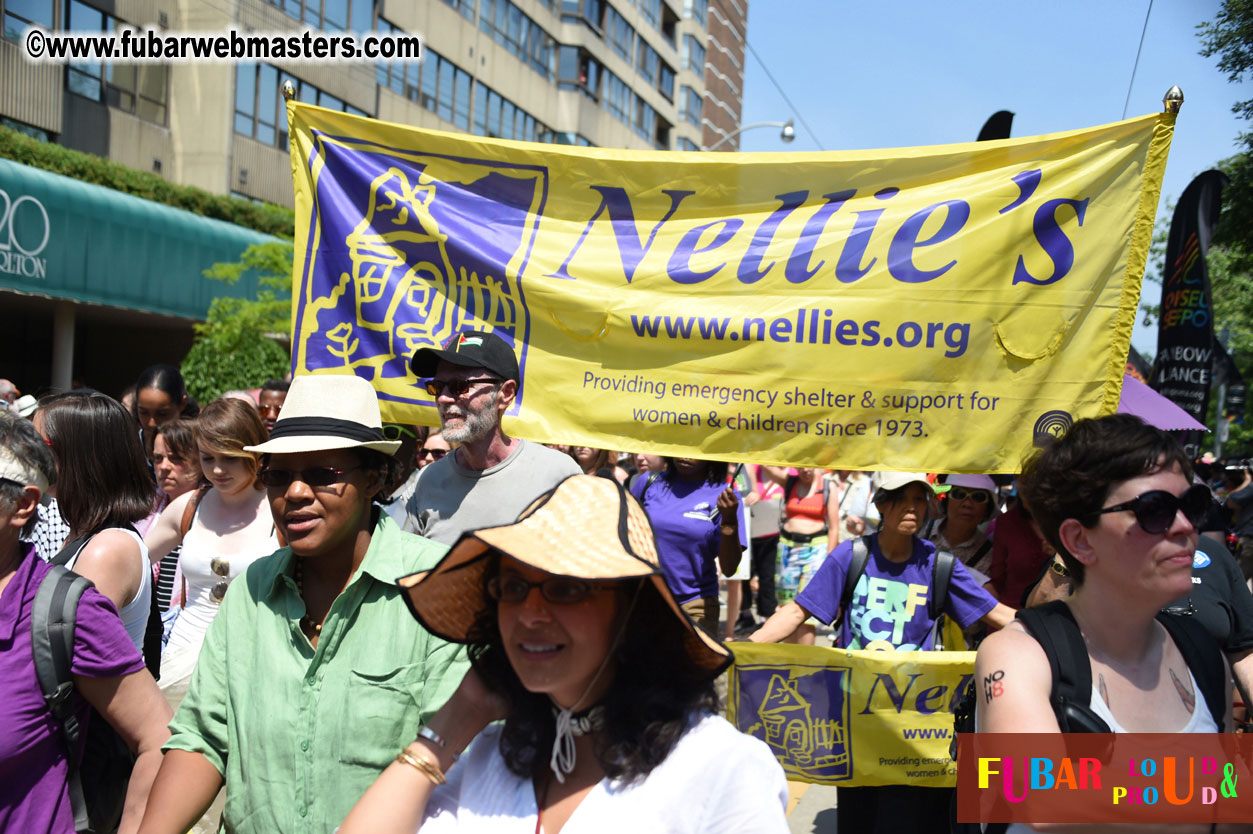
point(20, 14)
point(619, 33)
point(466, 7)
point(689, 105)
point(577, 70)
point(693, 57)
point(519, 34)
point(133, 88)
point(696, 10)
point(26, 130)
point(666, 83)
point(261, 113)
point(619, 99)
point(645, 120)
point(591, 13)
point(576, 139)
point(648, 63)
point(651, 10)
point(686, 144)
point(444, 89)
point(401, 77)
point(497, 116)
point(332, 15)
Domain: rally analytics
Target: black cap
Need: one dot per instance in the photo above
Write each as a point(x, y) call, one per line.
point(469, 349)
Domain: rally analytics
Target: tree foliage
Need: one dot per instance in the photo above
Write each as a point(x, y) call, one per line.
point(238, 345)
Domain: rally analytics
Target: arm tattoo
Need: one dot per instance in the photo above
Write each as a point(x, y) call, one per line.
point(993, 685)
point(1185, 692)
point(1104, 692)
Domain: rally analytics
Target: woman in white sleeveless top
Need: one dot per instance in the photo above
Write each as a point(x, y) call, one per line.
point(231, 528)
point(103, 488)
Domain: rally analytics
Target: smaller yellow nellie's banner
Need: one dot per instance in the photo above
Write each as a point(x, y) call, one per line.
point(851, 718)
point(934, 309)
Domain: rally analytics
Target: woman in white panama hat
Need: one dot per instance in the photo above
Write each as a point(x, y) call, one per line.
point(313, 662)
point(604, 685)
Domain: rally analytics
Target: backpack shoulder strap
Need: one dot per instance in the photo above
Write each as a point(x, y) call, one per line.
point(71, 549)
point(1204, 659)
point(1055, 629)
point(856, 567)
point(189, 512)
point(53, 619)
point(941, 573)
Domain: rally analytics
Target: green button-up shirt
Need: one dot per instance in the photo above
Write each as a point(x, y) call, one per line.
point(298, 733)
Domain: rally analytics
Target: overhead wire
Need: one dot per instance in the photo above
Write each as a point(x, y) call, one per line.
point(779, 87)
point(1135, 67)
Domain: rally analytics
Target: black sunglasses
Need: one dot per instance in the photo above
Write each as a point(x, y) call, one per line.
point(435, 454)
point(318, 476)
point(456, 387)
point(559, 590)
point(978, 496)
point(1155, 510)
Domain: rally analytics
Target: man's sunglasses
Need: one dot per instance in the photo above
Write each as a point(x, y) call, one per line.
point(978, 496)
point(435, 454)
point(558, 590)
point(1155, 510)
point(318, 476)
point(456, 387)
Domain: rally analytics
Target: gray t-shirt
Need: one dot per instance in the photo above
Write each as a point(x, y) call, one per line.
point(451, 499)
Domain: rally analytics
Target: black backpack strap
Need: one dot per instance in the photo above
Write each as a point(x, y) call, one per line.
point(1055, 629)
point(1204, 659)
point(856, 567)
point(71, 549)
point(941, 573)
point(53, 619)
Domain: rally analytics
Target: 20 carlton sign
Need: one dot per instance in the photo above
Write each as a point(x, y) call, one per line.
point(24, 231)
point(925, 308)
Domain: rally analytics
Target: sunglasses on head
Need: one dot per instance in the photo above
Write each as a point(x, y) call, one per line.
point(1156, 509)
point(319, 476)
point(457, 387)
point(978, 496)
point(558, 590)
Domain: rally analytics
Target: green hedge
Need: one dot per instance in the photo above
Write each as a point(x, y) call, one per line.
point(263, 217)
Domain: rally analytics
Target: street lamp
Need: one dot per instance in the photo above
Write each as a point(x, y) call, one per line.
point(787, 134)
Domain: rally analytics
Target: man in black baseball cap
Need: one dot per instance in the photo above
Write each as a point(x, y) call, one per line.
point(490, 477)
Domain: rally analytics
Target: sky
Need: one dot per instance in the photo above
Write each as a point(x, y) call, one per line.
point(899, 73)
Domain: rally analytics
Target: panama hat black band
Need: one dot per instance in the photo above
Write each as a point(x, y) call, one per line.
point(326, 426)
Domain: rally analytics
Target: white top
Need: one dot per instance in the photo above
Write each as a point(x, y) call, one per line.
point(716, 780)
point(134, 614)
point(178, 659)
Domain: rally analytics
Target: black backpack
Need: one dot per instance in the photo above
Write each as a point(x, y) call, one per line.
point(97, 780)
point(941, 573)
point(1054, 628)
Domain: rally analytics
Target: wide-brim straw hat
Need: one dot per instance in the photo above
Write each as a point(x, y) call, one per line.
point(327, 412)
point(586, 528)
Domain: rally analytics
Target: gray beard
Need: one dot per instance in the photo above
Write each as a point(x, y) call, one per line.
point(475, 425)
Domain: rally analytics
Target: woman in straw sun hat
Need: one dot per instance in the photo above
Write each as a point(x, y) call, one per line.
point(313, 663)
point(604, 685)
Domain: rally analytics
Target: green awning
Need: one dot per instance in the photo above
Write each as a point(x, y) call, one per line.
point(64, 238)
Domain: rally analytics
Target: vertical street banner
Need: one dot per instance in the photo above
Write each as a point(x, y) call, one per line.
point(1184, 367)
point(935, 308)
point(851, 718)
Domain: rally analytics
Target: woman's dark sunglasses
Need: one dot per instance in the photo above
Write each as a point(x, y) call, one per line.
point(1155, 510)
point(319, 476)
point(456, 387)
point(978, 496)
point(559, 590)
point(435, 454)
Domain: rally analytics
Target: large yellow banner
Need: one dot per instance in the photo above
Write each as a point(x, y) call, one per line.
point(852, 718)
point(935, 308)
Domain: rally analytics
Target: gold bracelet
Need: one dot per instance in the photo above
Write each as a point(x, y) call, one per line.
point(421, 765)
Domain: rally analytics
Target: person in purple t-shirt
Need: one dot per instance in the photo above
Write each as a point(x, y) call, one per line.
point(888, 612)
point(108, 672)
point(699, 523)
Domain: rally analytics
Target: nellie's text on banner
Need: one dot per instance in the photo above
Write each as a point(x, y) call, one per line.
point(936, 308)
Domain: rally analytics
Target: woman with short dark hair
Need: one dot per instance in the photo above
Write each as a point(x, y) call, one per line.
point(103, 490)
point(605, 688)
point(160, 396)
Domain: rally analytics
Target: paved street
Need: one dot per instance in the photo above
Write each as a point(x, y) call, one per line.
point(811, 809)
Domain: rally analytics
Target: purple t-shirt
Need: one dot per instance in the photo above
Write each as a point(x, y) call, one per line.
point(889, 607)
point(33, 797)
point(687, 541)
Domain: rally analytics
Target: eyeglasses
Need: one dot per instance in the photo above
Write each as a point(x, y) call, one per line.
point(977, 496)
point(394, 431)
point(435, 454)
point(220, 567)
point(318, 476)
point(1155, 510)
point(456, 387)
point(559, 590)
point(268, 410)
